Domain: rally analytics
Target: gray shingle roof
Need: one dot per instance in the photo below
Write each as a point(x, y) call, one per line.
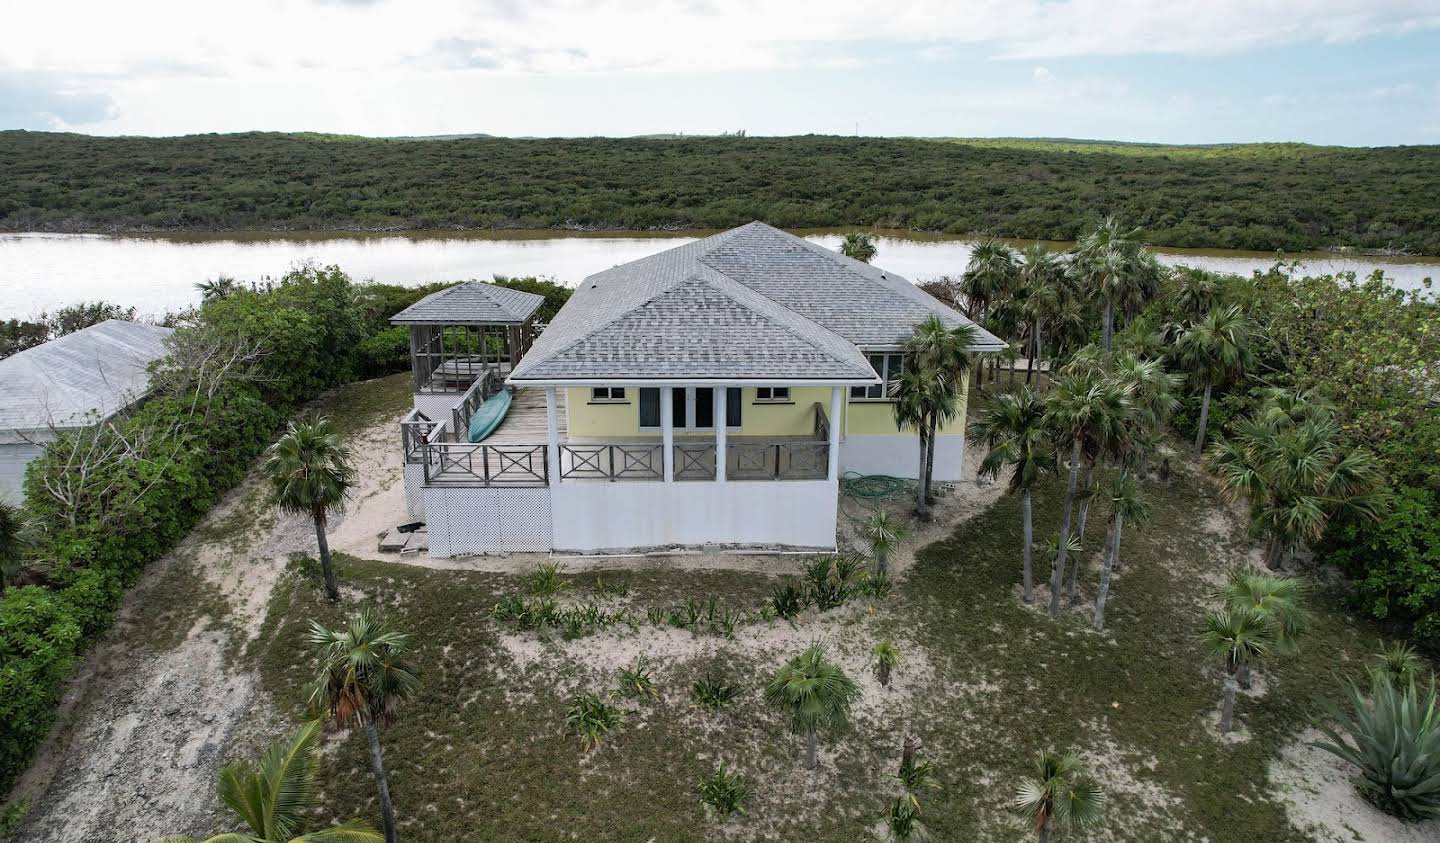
point(739, 288)
point(99, 369)
point(471, 302)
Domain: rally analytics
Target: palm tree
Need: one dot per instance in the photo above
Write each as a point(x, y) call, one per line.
point(883, 532)
point(815, 694)
point(1213, 350)
point(1277, 598)
point(942, 352)
point(1059, 793)
point(363, 678)
point(1012, 427)
point(1153, 403)
point(12, 543)
point(918, 393)
point(223, 287)
point(1088, 414)
point(1126, 503)
point(1043, 280)
point(1197, 291)
point(859, 246)
point(309, 472)
point(1238, 636)
point(274, 798)
point(1297, 475)
point(1113, 261)
point(989, 276)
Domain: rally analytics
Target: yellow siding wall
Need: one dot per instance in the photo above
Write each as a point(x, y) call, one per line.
point(797, 418)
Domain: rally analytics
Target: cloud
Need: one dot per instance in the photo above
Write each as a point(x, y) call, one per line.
point(44, 101)
point(1042, 75)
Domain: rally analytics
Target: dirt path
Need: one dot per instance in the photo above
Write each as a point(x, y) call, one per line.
point(145, 726)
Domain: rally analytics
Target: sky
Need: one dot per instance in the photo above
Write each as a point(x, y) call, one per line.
point(1352, 72)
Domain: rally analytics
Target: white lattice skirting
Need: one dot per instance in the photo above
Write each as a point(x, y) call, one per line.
point(462, 522)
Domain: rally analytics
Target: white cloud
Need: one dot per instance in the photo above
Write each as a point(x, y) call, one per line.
point(1042, 75)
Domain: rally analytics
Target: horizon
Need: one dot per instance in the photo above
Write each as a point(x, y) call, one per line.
point(1320, 72)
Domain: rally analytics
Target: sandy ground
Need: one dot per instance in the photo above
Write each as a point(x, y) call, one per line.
point(142, 734)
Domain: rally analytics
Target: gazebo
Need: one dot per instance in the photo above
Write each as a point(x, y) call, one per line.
point(464, 340)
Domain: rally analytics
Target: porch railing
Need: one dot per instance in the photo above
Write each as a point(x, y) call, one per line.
point(464, 464)
point(415, 428)
point(694, 461)
point(483, 387)
point(612, 462)
point(822, 423)
point(778, 461)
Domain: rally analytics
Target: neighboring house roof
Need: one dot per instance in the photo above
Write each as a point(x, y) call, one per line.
point(749, 303)
point(99, 370)
point(472, 303)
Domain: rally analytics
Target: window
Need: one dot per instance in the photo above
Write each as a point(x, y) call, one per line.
point(772, 393)
point(889, 367)
point(691, 408)
point(607, 394)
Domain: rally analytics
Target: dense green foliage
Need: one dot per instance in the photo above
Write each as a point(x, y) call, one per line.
point(1245, 196)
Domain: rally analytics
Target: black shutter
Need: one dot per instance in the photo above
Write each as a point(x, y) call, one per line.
point(704, 406)
point(732, 407)
point(649, 407)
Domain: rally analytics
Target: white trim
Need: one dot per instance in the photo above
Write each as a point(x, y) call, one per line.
point(552, 431)
point(692, 381)
point(833, 470)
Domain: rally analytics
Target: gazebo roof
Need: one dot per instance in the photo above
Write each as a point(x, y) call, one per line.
point(471, 303)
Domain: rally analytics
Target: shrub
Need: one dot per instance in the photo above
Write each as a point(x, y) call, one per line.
point(903, 821)
point(1398, 662)
point(591, 718)
point(1396, 562)
point(1393, 740)
point(713, 693)
point(787, 600)
point(39, 638)
point(724, 791)
point(386, 351)
point(545, 579)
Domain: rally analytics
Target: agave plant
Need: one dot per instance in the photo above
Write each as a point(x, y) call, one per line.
point(1058, 793)
point(591, 718)
point(1393, 740)
point(725, 791)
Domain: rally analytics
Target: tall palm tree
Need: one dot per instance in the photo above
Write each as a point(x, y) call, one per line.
point(1126, 504)
point(1297, 476)
point(12, 543)
point(859, 246)
point(920, 392)
point(1239, 637)
point(1197, 291)
point(1212, 351)
point(815, 694)
point(309, 472)
point(942, 351)
point(1043, 280)
point(1153, 402)
point(1012, 427)
point(1087, 414)
point(1277, 598)
point(1112, 260)
point(275, 798)
point(363, 678)
point(1059, 793)
point(990, 277)
point(883, 532)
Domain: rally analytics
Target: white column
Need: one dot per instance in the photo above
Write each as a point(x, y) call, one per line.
point(836, 396)
point(721, 393)
point(667, 432)
point(552, 430)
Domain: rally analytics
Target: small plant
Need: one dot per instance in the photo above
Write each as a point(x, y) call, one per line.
point(883, 532)
point(1398, 661)
point(903, 821)
point(877, 586)
point(724, 791)
point(607, 588)
point(1058, 793)
point(1393, 739)
point(545, 579)
point(815, 694)
point(713, 693)
point(636, 682)
point(655, 616)
point(827, 592)
point(887, 658)
point(846, 568)
point(788, 601)
point(591, 718)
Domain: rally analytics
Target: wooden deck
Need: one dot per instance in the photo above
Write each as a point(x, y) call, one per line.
point(525, 423)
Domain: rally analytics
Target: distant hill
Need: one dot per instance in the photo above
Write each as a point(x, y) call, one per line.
point(1250, 196)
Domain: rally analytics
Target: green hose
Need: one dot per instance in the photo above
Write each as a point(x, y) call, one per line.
point(872, 487)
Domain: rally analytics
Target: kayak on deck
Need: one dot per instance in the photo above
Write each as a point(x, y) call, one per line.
point(489, 416)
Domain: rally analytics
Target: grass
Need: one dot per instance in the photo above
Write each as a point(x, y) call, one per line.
point(484, 750)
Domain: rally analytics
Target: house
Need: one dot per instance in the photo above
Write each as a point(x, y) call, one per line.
point(67, 383)
point(712, 394)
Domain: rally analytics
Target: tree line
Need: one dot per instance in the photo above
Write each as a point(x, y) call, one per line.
point(1261, 197)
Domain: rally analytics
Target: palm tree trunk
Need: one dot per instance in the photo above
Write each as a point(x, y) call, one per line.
point(1227, 704)
point(377, 764)
point(1029, 579)
point(1242, 675)
point(1112, 549)
point(1204, 420)
point(1109, 330)
point(810, 760)
point(930, 463)
point(1039, 353)
point(1058, 569)
point(331, 589)
point(1045, 832)
point(884, 674)
point(922, 510)
point(1080, 531)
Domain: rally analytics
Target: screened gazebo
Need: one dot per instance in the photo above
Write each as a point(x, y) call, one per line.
point(461, 333)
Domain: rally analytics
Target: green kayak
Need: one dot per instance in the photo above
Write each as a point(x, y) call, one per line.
point(489, 416)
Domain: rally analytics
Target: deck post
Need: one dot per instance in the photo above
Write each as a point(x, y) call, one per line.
point(667, 432)
point(721, 393)
point(552, 430)
point(833, 471)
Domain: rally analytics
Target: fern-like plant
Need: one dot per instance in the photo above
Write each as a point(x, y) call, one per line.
point(1393, 740)
point(545, 579)
point(725, 791)
point(591, 718)
point(903, 821)
point(713, 693)
point(787, 600)
point(1398, 661)
point(636, 682)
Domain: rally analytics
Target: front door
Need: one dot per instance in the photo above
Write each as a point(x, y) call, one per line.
point(692, 408)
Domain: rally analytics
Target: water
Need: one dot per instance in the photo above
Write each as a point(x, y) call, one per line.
point(158, 273)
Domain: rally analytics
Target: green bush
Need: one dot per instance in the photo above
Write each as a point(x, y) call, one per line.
point(725, 791)
point(1395, 562)
point(38, 642)
point(385, 352)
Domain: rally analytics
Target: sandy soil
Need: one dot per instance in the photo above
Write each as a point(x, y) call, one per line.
point(142, 734)
point(1322, 801)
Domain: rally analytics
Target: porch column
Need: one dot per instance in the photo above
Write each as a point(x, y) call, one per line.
point(667, 432)
point(721, 393)
point(552, 430)
point(836, 396)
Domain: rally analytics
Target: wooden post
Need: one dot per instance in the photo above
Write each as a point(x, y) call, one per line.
point(667, 432)
point(721, 394)
point(833, 469)
point(552, 430)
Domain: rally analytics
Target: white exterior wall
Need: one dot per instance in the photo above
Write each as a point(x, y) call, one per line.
point(626, 515)
point(465, 521)
point(899, 456)
point(13, 459)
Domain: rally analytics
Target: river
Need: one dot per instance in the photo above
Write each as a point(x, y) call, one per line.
point(158, 273)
